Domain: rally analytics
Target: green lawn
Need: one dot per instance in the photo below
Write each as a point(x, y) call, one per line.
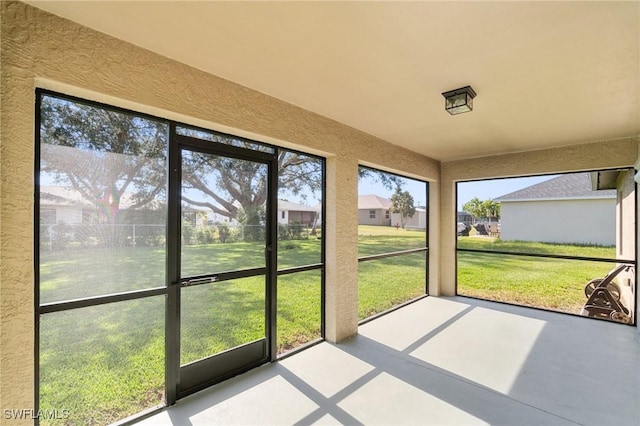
point(384, 283)
point(385, 239)
point(482, 243)
point(72, 274)
point(554, 284)
point(102, 363)
point(106, 362)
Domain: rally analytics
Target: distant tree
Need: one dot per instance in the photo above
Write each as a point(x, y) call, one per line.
point(474, 207)
point(482, 209)
point(237, 189)
point(402, 203)
point(105, 156)
point(388, 180)
point(491, 209)
point(114, 154)
point(109, 156)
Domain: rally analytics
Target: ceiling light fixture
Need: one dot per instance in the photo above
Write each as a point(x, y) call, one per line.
point(459, 100)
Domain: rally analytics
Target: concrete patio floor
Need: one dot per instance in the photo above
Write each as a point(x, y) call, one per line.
point(440, 361)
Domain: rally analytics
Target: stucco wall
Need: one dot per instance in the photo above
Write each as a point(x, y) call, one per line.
point(583, 221)
point(41, 50)
point(591, 156)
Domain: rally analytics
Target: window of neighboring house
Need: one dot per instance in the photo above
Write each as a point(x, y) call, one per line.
point(283, 214)
point(547, 241)
point(386, 214)
point(392, 263)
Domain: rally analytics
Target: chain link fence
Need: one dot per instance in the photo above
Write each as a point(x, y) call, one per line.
point(54, 237)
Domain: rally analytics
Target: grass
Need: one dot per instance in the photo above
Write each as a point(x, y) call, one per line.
point(385, 239)
point(103, 363)
point(106, 362)
point(384, 283)
point(553, 284)
point(535, 247)
point(72, 274)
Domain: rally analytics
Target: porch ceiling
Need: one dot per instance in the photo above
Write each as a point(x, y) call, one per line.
point(546, 73)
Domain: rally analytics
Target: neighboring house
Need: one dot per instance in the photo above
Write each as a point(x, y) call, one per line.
point(194, 217)
point(289, 213)
point(464, 217)
point(374, 210)
point(60, 205)
point(564, 209)
point(417, 221)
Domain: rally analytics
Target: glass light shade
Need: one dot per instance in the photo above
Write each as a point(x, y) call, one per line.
point(459, 103)
point(459, 100)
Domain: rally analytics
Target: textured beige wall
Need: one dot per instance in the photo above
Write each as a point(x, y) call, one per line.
point(607, 154)
point(42, 50)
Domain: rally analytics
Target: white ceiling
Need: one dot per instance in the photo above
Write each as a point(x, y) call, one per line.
point(546, 73)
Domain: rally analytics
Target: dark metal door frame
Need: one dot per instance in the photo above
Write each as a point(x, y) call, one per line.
point(184, 380)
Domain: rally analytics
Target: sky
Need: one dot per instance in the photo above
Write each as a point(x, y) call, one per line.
point(491, 189)
point(487, 189)
point(416, 188)
point(484, 190)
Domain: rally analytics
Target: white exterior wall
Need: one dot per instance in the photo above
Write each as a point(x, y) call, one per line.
point(68, 215)
point(625, 211)
point(380, 219)
point(625, 236)
point(418, 220)
point(283, 220)
point(590, 221)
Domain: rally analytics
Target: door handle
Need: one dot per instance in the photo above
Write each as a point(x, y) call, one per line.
point(195, 281)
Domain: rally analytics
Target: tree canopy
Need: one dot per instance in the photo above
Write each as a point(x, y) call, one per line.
point(388, 180)
point(482, 209)
point(106, 156)
point(117, 161)
point(402, 203)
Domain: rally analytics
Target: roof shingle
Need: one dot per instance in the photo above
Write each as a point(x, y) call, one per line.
point(373, 202)
point(572, 185)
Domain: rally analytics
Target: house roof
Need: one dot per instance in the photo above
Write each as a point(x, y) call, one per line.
point(295, 207)
point(373, 202)
point(568, 186)
point(59, 196)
